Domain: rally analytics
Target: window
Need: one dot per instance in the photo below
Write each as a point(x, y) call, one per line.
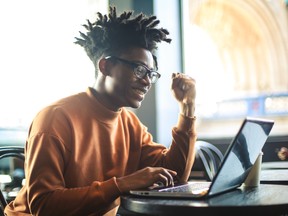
point(39, 61)
point(238, 53)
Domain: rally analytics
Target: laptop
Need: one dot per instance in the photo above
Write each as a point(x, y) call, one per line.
point(233, 170)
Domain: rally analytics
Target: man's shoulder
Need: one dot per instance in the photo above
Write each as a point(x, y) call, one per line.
point(130, 117)
point(70, 98)
point(63, 103)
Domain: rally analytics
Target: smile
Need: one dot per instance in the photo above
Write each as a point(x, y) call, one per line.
point(140, 92)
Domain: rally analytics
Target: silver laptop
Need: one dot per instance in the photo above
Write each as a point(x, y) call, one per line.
point(234, 168)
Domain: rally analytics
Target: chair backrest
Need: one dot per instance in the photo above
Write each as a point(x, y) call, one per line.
point(9, 152)
point(210, 157)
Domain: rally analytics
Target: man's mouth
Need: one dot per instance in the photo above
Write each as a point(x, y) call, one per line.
point(140, 92)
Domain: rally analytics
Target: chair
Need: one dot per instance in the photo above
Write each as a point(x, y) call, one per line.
point(11, 152)
point(208, 159)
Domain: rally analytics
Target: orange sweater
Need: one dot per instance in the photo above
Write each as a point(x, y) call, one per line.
point(76, 149)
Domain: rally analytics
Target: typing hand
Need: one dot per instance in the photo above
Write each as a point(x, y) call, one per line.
point(145, 178)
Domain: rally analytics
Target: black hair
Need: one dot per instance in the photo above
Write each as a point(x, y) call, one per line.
point(111, 34)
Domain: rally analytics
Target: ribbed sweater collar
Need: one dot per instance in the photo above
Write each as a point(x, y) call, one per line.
point(101, 112)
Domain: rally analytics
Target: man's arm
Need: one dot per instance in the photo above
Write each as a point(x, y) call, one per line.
point(184, 91)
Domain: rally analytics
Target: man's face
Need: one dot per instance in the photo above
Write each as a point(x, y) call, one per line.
point(123, 87)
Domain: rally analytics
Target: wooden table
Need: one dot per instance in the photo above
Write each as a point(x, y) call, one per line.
point(266, 199)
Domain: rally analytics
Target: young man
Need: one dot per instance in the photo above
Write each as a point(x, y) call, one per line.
point(85, 150)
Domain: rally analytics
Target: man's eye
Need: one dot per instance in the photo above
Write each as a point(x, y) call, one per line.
point(140, 69)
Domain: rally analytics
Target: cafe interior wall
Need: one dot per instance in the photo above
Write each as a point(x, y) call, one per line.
point(237, 50)
point(249, 69)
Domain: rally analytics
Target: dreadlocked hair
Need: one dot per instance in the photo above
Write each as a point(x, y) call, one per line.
point(111, 34)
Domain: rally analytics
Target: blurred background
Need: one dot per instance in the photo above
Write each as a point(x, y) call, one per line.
point(237, 50)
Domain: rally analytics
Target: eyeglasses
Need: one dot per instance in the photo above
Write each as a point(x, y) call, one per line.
point(140, 70)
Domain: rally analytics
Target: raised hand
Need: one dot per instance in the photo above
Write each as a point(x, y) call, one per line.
point(184, 90)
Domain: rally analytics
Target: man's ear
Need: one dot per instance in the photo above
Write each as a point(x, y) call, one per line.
point(103, 65)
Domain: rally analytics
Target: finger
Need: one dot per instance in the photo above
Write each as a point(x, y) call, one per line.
point(175, 82)
point(162, 175)
point(187, 79)
point(164, 179)
point(164, 171)
point(187, 86)
point(184, 85)
point(169, 175)
point(172, 172)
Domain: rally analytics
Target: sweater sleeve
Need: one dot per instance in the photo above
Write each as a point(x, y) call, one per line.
point(181, 153)
point(46, 190)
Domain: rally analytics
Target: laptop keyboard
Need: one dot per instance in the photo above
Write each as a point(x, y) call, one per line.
point(188, 187)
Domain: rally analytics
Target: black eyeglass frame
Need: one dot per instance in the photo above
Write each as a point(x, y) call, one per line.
point(152, 74)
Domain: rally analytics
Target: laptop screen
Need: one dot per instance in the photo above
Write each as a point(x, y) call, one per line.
point(241, 154)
